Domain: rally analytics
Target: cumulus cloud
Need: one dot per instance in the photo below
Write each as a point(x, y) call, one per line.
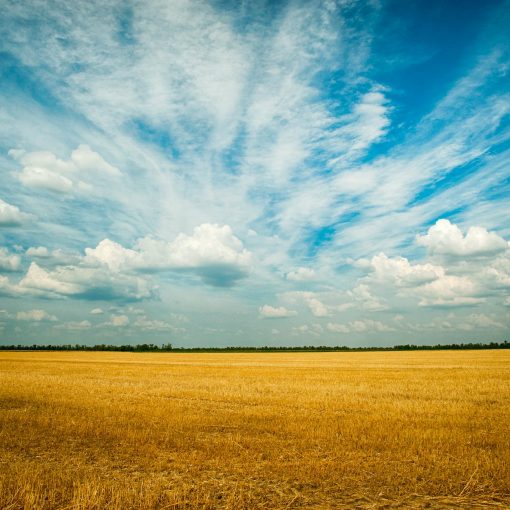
point(473, 267)
point(445, 238)
point(37, 177)
point(401, 272)
point(358, 326)
point(96, 311)
point(75, 325)
point(39, 279)
point(113, 255)
point(471, 322)
point(9, 261)
point(318, 308)
point(62, 257)
point(212, 251)
point(11, 216)
point(430, 284)
point(305, 329)
point(362, 295)
point(178, 317)
point(118, 321)
point(310, 299)
point(85, 159)
point(301, 274)
point(84, 282)
point(35, 316)
point(481, 320)
point(344, 307)
point(147, 324)
point(111, 271)
point(38, 252)
point(7, 288)
point(496, 277)
point(271, 312)
point(369, 325)
point(337, 328)
point(42, 169)
point(450, 290)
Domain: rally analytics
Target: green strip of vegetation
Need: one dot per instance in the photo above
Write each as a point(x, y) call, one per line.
point(306, 348)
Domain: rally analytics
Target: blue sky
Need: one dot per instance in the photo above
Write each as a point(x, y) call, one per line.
point(254, 173)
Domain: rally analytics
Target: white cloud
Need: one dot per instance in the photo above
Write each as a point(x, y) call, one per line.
point(178, 317)
point(96, 311)
point(305, 329)
point(362, 295)
point(35, 316)
point(463, 280)
point(317, 308)
point(271, 312)
point(344, 307)
point(85, 282)
point(85, 159)
point(62, 257)
point(38, 177)
point(74, 325)
point(118, 321)
point(399, 271)
point(496, 277)
point(369, 120)
point(429, 283)
point(112, 255)
point(146, 324)
point(445, 238)
point(39, 252)
point(450, 290)
point(212, 251)
point(43, 169)
point(39, 279)
point(458, 322)
point(301, 274)
point(337, 328)
point(9, 261)
point(6, 287)
point(11, 216)
point(359, 326)
point(311, 299)
point(481, 320)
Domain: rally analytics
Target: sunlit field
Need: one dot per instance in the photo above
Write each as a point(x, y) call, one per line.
point(248, 431)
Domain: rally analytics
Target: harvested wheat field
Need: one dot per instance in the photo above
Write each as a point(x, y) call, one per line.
point(248, 431)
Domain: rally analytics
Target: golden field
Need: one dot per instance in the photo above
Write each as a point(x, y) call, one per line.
point(105, 430)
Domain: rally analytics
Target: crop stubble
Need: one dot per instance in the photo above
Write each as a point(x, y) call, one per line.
point(82, 430)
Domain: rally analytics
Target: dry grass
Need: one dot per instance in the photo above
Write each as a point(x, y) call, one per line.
point(250, 431)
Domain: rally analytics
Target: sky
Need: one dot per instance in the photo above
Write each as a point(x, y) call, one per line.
point(254, 172)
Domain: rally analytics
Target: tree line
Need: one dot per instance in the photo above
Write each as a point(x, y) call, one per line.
point(307, 348)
